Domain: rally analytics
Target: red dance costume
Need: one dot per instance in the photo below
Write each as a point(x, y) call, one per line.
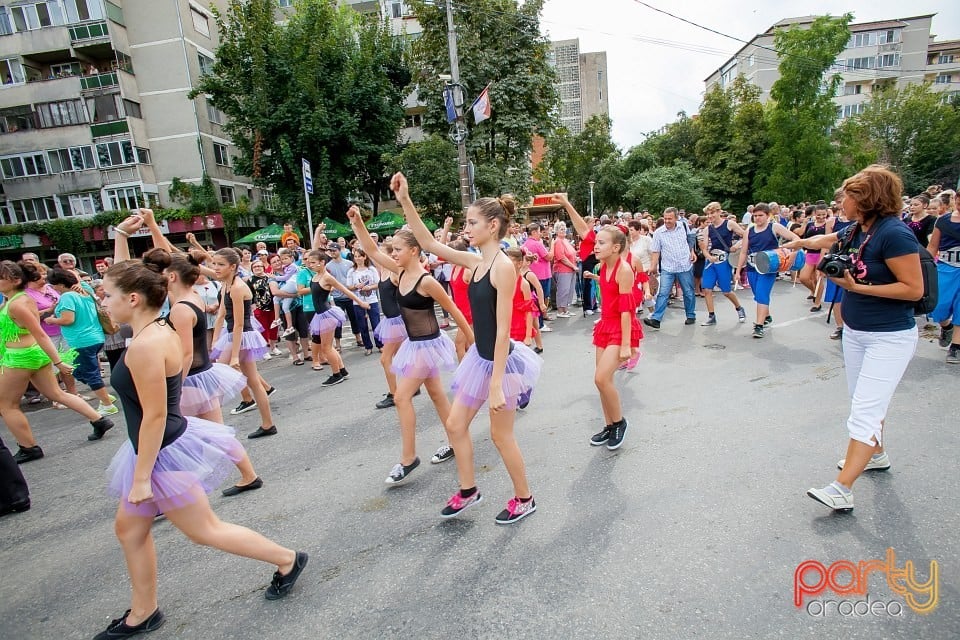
point(606, 333)
point(458, 291)
point(518, 319)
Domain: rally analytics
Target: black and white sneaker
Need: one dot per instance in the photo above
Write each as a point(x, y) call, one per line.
point(243, 407)
point(711, 321)
point(758, 331)
point(386, 403)
point(336, 378)
point(741, 314)
point(344, 373)
point(601, 438)
point(120, 629)
point(271, 391)
point(617, 432)
point(401, 472)
point(443, 454)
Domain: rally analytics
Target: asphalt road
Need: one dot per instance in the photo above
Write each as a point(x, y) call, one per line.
point(693, 529)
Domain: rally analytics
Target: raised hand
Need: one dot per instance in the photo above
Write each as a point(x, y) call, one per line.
point(399, 186)
point(131, 225)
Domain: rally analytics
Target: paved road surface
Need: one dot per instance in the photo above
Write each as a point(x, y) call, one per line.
point(692, 530)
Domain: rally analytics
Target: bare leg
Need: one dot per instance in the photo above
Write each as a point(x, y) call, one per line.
point(607, 362)
point(386, 359)
point(13, 382)
point(501, 432)
point(103, 397)
point(328, 351)
point(708, 298)
point(46, 383)
point(249, 369)
point(458, 434)
point(136, 540)
point(403, 400)
point(732, 297)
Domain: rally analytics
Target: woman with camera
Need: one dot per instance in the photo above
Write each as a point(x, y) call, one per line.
point(878, 266)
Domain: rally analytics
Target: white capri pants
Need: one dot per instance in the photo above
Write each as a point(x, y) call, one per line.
point(875, 362)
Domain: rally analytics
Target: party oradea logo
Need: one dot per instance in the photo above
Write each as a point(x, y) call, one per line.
point(851, 582)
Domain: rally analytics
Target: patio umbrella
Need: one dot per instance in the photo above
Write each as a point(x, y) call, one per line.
point(386, 221)
point(269, 233)
point(336, 229)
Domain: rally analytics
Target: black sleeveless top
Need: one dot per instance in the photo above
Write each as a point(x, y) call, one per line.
point(228, 303)
point(388, 298)
point(417, 312)
point(321, 297)
point(201, 354)
point(483, 303)
point(812, 231)
point(122, 382)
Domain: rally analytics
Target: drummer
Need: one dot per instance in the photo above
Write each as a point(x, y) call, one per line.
point(722, 238)
point(763, 235)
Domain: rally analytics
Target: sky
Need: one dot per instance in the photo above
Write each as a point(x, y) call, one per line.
point(656, 64)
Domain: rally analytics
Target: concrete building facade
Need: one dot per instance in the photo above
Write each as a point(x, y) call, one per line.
point(581, 83)
point(881, 53)
point(94, 114)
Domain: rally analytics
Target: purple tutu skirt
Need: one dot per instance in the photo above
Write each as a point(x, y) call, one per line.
point(252, 346)
point(425, 358)
point(390, 330)
point(194, 464)
point(327, 321)
point(471, 382)
point(205, 391)
point(255, 324)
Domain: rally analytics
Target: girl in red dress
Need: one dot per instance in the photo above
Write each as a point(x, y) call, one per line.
point(522, 320)
point(459, 282)
point(617, 335)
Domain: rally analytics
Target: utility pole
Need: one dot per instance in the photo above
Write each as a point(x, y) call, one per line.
point(458, 132)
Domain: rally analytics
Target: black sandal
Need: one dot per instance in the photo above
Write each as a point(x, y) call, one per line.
point(815, 308)
point(298, 362)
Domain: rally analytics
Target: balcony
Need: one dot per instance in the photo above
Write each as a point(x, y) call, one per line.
point(104, 129)
point(99, 81)
point(89, 33)
point(120, 175)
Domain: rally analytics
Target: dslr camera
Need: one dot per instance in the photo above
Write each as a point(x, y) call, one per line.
point(833, 265)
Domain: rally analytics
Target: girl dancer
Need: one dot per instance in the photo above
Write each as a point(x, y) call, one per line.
point(25, 355)
point(390, 331)
point(762, 235)
point(169, 463)
point(521, 320)
point(617, 335)
point(238, 344)
point(809, 276)
point(833, 293)
point(538, 306)
point(205, 384)
point(495, 369)
point(427, 350)
point(327, 318)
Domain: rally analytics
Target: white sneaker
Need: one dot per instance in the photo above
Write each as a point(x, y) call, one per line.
point(877, 463)
point(108, 410)
point(546, 329)
point(267, 356)
point(833, 496)
point(276, 352)
point(589, 312)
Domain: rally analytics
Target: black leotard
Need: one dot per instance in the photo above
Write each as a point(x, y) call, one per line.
point(483, 303)
point(388, 298)
point(418, 313)
point(228, 303)
point(321, 297)
point(201, 353)
point(122, 382)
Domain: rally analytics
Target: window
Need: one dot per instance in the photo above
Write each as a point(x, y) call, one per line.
point(414, 120)
point(396, 9)
point(206, 64)
point(131, 108)
point(6, 28)
point(861, 63)
point(17, 119)
point(600, 86)
point(71, 159)
point(34, 210)
point(852, 89)
point(24, 165)
point(226, 195)
point(888, 60)
point(65, 70)
point(80, 204)
point(143, 155)
point(889, 36)
point(11, 71)
point(269, 199)
point(83, 10)
point(862, 40)
point(105, 108)
point(128, 198)
point(220, 155)
point(853, 109)
point(284, 3)
point(115, 154)
point(945, 58)
point(943, 79)
point(214, 115)
point(62, 113)
point(751, 60)
point(200, 22)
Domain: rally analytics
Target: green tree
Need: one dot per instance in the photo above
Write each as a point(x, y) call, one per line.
point(572, 161)
point(913, 129)
point(800, 162)
point(678, 185)
point(327, 86)
point(499, 44)
point(677, 141)
point(431, 168)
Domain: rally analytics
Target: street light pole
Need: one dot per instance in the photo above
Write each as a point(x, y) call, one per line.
point(460, 127)
point(591, 183)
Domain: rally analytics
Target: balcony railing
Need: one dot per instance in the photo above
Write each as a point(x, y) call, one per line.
point(88, 32)
point(103, 129)
point(100, 81)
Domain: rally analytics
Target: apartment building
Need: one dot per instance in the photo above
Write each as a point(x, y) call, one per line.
point(581, 83)
point(881, 53)
point(94, 114)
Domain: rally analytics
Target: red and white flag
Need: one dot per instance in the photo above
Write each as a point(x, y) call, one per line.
point(481, 106)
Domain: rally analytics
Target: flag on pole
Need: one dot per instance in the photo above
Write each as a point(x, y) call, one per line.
point(481, 106)
point(448, 102)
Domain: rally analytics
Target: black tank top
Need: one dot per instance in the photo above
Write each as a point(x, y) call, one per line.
point(122, 382)
point(201, 354)
point(228, 303)
point(388, 298)
point(483, 304)
point(321, 297)
point(417, 312)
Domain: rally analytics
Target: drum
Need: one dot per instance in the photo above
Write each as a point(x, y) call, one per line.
point(779, 260)
point(718, 254)
point(733, 257)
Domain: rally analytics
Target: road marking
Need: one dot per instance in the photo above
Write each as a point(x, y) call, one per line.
point(812, 316)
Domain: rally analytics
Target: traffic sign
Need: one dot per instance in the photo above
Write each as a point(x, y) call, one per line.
point(307, 177)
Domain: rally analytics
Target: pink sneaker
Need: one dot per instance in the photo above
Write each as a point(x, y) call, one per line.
point(516, 510)
point(632, 362)
point(458, 503)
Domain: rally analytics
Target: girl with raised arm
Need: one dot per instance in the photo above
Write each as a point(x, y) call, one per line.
point(427, 350)
point(169, 463)
point(495, 370)
point(238, 344)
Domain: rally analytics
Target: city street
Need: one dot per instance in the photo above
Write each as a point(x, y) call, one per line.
point(693, 529)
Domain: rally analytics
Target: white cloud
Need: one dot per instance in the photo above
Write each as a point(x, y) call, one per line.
point(656, 64)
